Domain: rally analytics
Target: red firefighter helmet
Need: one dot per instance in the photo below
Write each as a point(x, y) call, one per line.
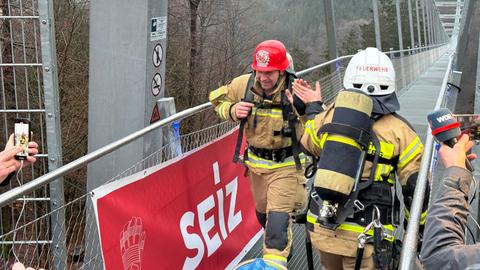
point(270, 55)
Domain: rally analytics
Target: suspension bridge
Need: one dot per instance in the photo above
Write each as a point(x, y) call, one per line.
point(44, 230)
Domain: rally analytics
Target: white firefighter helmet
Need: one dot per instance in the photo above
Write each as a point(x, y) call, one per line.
point(290, 61)
point(370, 71)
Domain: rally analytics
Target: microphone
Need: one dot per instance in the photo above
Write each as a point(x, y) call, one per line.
point(445, 128)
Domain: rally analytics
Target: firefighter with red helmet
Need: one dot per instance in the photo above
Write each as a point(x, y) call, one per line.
point(363, 147)
point(271, 126)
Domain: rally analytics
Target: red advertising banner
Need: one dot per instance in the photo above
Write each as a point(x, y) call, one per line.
point(195, 212)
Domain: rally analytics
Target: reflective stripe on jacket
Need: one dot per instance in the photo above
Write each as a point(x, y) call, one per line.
point(398, 142)
point(264, 125)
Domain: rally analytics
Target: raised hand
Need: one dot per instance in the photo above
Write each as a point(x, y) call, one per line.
point(303, 91)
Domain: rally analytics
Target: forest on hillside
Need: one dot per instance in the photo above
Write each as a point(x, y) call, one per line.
point(224, 33)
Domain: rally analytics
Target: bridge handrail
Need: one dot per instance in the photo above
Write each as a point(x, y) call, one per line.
point(15, 193)
point(418, 48)
point(310, 69)
point(409, 245)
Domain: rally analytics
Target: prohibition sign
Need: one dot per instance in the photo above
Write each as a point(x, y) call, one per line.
point(156, 84)
point(157, 55)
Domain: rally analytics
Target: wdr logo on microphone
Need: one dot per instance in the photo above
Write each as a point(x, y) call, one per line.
point(445, 117)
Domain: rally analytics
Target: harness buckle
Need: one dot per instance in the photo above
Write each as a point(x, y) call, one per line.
point(362, 240)
point(359, 205)
point(315, 197)
point(376, 221)
point(279, 155)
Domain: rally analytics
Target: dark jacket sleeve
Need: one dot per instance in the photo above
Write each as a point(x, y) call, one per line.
point(299, 105)
point(7, 180)
point(443, 242)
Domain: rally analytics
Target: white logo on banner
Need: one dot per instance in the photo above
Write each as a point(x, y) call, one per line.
point(207, 222)
point(132, 240)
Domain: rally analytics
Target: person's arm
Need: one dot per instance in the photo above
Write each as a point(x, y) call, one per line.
point(409, 159)
point(443, 242)
point(8, 164)
point(227, 99)
point(443, 239)
point(311, 141)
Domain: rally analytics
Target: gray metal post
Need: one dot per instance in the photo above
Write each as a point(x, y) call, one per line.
point(432, 18)
point(451, 99)
point(331, 33)
point(418, 25)
point(376, 20)
point(424, 22)
point(435, 24)
point(429, 21)
point(410, 21)
point(53, 131)
point(400, 43)
point(126, 77)
point(441, 28)
point(399, 27)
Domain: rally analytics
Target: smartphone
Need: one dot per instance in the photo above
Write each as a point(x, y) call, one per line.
point(22, 137)
point(470, 124)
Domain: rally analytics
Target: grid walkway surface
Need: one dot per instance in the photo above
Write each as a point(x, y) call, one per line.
point(416, 101)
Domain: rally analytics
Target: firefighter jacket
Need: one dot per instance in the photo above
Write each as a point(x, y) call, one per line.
point(265, 125)
point(444, 238)
point(400, 157)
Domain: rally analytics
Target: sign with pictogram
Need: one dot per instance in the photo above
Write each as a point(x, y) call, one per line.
point(157, 55)
point(155, 114)
point(158, 28)
point(156, 84)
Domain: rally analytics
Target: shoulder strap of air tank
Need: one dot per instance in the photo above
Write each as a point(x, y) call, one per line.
point(289, 115)
point(249, 98)
point(376, 156)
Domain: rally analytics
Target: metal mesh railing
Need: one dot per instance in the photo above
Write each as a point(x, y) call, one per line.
point(30, 249)
point(22, 96)
point(408, 67)
point(25, 239)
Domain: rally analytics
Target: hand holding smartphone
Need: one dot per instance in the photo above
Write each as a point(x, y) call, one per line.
point(22, 137)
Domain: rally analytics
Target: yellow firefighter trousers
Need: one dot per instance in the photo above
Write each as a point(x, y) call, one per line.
point(337, 262)
point(279, 190)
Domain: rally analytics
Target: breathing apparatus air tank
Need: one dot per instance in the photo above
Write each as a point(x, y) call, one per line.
point(339, 169)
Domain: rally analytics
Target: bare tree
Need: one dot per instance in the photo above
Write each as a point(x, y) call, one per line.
point(193, 43)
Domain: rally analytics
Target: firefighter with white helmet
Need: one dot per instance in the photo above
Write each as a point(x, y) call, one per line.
point(354, 211)
point(272, 156)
